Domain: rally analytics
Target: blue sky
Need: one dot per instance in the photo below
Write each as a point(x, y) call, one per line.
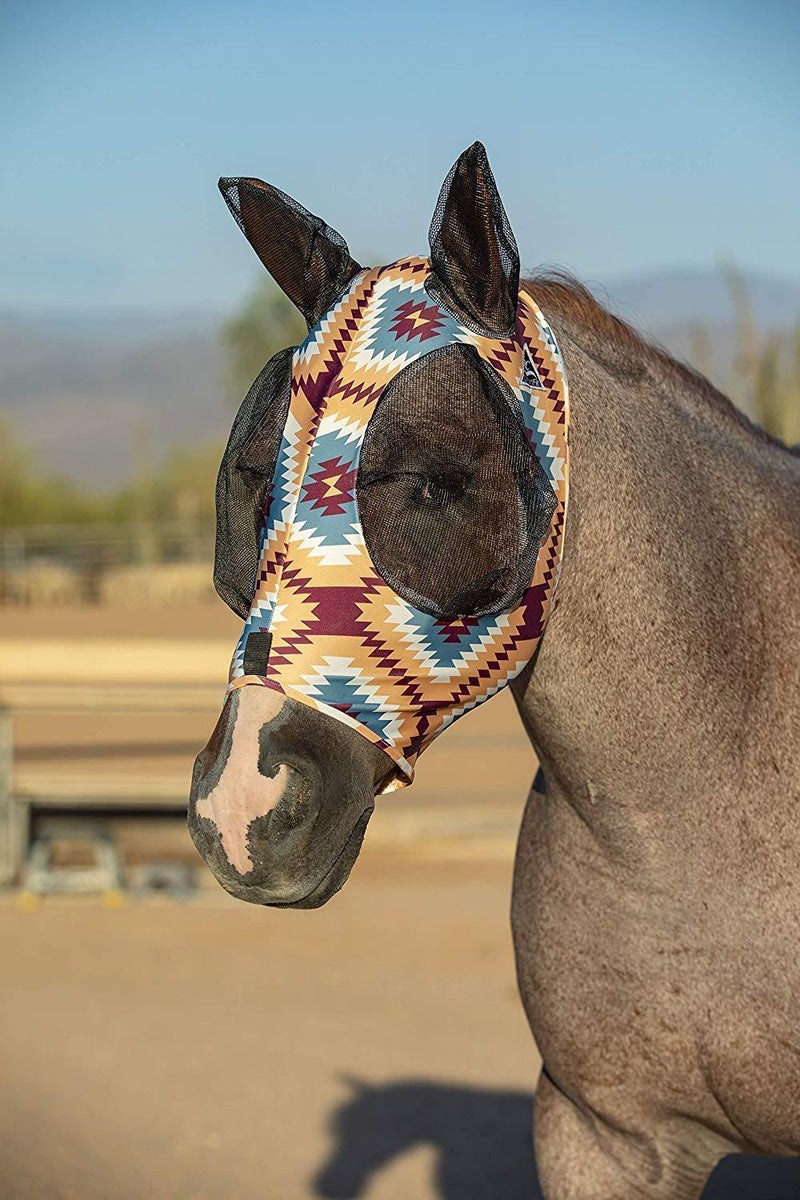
point(624, 137)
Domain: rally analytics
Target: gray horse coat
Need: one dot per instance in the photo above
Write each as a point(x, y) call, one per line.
point(656, 904)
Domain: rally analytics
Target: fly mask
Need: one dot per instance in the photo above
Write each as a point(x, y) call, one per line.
point(358, 609)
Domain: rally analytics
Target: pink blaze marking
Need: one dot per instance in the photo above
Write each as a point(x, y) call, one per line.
point(243, 793)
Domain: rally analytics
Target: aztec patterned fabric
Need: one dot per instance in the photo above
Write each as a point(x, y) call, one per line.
point(324, 628)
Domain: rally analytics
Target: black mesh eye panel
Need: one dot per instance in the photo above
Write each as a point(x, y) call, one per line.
point(453, 502)
point(245, 473)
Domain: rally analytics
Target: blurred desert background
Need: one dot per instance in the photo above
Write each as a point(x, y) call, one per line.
point(159, 1039)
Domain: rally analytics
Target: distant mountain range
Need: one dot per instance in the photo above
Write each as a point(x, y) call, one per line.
point(79, 388)
point(681, 298)
point(122, 327)
point(81, 402)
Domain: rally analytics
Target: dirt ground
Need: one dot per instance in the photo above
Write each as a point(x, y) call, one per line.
point(210, 1050)
point(214, 1051)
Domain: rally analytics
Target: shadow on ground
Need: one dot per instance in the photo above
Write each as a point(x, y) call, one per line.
point(483, 1144)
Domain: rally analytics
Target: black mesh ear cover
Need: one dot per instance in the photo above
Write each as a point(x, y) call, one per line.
point(245, 474)
point(308, 260)
point(474, 257)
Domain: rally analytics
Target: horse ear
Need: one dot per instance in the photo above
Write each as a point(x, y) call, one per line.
point(474, 257)
point(308, 260)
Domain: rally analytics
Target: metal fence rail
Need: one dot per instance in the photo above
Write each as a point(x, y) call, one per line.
point(43, 564)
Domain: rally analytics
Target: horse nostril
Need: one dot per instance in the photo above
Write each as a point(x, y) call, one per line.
point(296, 803)
point(292, 808)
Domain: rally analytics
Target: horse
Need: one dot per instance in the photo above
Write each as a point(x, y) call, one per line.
point(656, 899)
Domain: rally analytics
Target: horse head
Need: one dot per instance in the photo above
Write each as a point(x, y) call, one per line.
point(390, 513)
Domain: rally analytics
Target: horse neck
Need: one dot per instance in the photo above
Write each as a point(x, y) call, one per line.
point(670, 667)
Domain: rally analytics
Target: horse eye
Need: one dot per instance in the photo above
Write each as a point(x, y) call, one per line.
point(437, 490)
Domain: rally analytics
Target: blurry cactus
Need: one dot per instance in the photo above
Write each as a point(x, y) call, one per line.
point(768, 395)
point(765, 371)
point(763, 375)
point(776, 388)
point(793, 436)
point(745, 365)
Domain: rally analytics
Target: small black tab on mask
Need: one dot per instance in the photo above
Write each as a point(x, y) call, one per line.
point(256, 652)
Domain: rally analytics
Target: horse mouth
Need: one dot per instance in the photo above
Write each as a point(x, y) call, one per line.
point(332, 881)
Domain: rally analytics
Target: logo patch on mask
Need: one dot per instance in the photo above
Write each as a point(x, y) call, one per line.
point(530, 375)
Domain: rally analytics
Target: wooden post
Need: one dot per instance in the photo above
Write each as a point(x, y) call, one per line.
point(6, 768)
point(13, 816)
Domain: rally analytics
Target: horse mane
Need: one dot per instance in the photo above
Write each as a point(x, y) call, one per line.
point(625, 354)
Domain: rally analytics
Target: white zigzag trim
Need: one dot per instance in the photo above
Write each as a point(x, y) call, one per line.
point(401, 618)
point(314, 683)
point(347, 429)
point(337, 555)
